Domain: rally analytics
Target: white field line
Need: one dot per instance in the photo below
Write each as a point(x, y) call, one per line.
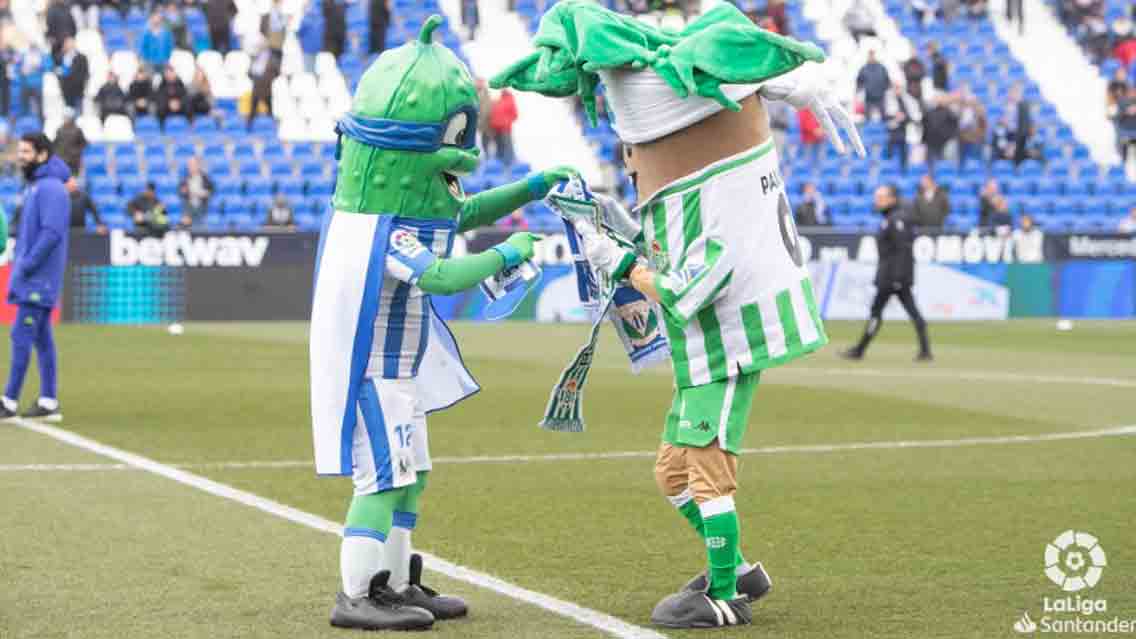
point(593, 618)
point(1118, 431)
point(977, 376)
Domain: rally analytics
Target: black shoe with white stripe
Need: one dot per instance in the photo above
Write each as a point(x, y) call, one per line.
point(42, 414)
point(696, 609)
point(754, 584)
point(5, 414)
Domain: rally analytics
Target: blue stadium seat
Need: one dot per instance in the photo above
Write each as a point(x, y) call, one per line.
point(302, 151)
point(205, 125)
point(176, 126)
point(235, 127)
point(250, 168)
point(126, 166)
point(244, 150)
point(312, 169)
point(228, 187)
point(146, 126)
point(293, 189)
point(234, 205)
point(322, 189)
point(264, 125)
point(131, 186)
point(281, 169)
point(274, 152)
point(258, 188)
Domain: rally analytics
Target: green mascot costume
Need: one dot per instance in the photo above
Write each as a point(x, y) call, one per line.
point(381, 358)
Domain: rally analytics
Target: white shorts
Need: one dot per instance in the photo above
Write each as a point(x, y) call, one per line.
point(390, 444)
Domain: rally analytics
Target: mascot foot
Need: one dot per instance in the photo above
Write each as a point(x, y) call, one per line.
point(380, 609)
point(695, 609)
point(419, 596)
point(754, 584)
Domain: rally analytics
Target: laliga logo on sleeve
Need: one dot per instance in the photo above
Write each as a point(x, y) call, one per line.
point(1074, 561)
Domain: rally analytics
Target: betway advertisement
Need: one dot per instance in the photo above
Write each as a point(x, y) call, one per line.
point(126, 278)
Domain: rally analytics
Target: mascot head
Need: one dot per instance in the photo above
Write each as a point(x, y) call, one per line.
point(410, 134)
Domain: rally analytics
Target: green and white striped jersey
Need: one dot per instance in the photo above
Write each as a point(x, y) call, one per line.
point(736, 295)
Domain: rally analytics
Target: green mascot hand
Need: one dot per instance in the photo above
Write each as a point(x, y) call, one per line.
point(518, 248)
point(541, 183)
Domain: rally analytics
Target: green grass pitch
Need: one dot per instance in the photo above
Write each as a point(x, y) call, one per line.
point(875, 542)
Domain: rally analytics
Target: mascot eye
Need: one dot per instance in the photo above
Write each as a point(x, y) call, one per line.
point(455, 130)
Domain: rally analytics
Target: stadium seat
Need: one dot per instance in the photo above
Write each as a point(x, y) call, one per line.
point(205, 126)
point(250, 169)
point(176, 126)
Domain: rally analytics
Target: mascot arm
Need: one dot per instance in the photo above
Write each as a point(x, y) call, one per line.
point(487, 207)
point(452, 275)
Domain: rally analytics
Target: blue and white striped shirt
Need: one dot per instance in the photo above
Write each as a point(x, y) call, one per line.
point(403, 321)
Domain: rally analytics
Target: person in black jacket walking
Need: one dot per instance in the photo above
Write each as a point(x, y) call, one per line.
point(895, 274)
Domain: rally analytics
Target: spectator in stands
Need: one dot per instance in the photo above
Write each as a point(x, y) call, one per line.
point(940, 128)
point(515, 221)
point(70, 144)
point(200, 95)
point(471, 17)
point(1015, 12)
point(175, 22)
point(34, 63)
point(987, 202)
point(157, 43)
point(1000, 219)
point(1094, 37)
point(263, 71)
point(1025, 223)
point(335, 28)
point(219, 14)
point(1002, 140)
point(141, 92)
point(60, 25)
point(1124, 42)
point(274, 28)
point(196, 189)
point(940, 68)
point(976, 9)
point(860, 20)
point(925, 11)
point(972, 127)
point(874, 81)
point(1020, 110)
point(501, 121)
point(111, 99)
point(1126, 123)
point(484, 109)
point(811, 210)
point(1128, 224)
point(777, 11)
point(86, 14)
point(902, 111)
point(81, 204)
point(9, 62)
point(280, 217)
point(914, 71)
point(9, 149)
point(781, 115)
point(932, 205)
point(1117, 88)
point(73, 74)
point(172, 97)
point(380, 19)
point(310, 35)
point(148, 213)
point(812, 134)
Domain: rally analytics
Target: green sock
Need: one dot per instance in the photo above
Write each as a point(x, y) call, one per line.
point(689, 509)
point(722, 542)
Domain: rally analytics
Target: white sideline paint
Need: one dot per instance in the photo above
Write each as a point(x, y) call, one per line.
point(1118, 431)
point(593, 618)
point(977, 376)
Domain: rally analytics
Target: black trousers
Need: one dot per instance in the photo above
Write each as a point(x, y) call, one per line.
point(875, 319)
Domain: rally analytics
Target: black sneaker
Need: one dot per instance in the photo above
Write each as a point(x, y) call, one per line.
point(852, 354)
point(5, 414)
point(42, 414)
point(696, 609)
point(441, 606)
point(380, 609)
point(754, 584)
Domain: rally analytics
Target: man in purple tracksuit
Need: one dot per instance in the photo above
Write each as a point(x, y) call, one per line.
point(36, 279)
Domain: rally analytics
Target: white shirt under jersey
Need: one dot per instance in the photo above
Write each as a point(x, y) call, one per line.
point(402, 323)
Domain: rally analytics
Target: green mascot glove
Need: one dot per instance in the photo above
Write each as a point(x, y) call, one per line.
point(518, 248)
point(541, 183)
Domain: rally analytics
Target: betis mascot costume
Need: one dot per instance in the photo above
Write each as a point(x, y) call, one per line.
point(712, 241)
point(381, 359)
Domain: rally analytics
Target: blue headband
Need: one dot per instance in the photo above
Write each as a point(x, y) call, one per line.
point(397, 135)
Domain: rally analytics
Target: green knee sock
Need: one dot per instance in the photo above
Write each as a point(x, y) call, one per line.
point(690, 511)
point(722, 541)
point(373, 512)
